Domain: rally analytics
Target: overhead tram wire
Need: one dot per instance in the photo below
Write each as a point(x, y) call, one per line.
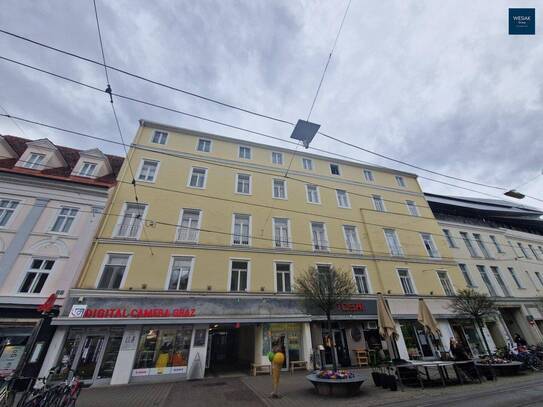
point(228, 125)
point(248, 111)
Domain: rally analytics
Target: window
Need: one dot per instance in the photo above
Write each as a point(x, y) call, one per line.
point(449, 238)
point(277, 158)
point(204, 145)
point(400, 181)
point(131, 220)
point(87, 170)
point(538, 275)
point(180, 273)
point(239, 275)
point(405, 280)
point(36, 276)
point(190, 226)
point(429, 244)
point(313, 194)
point(378, 203)
point(500, 281)
point(34, 161)
point(514, 277)
point(198, 177)
point(412, 208)
point(279, 188)
point(469, 245)
point(531, 279)
point(536, 255)
point(320, 242)
point(148, 171)
point(342, 199)
point(361, 280)
point(467, 276)
point(481, 245)
point(393, 242)
point(159, 137)
point(281, 235)
point(368, 175)
point(496, 244)
point(7, 208)
point(245, 152)
point(486, 280)
point(540, 249)
point(523, 250)
point(243, 184)
point(64, 220)
point(334, 169)
point(351, 239)
point(241, 229)
point(113, 272)
point(282, 277)
point(445, 282)
point(308, 164)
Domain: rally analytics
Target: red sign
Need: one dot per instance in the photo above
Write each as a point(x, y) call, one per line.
point(357, 307)
point(139, 313)
point(48, 305)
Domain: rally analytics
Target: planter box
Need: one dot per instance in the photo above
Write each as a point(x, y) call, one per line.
point(336, 387)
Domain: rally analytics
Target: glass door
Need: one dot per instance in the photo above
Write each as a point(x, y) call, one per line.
point(90, 356)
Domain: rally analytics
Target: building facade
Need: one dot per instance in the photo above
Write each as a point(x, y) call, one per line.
point(193, 269)
point(51, 202)
point(499, 249)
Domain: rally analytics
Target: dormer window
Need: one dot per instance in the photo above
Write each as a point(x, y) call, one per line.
point(34, 161)
point(87, 170)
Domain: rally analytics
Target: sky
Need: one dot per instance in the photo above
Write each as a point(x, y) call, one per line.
point(439, 84)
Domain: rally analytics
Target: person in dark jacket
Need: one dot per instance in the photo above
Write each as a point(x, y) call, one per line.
point(457, 350)
point(520, 341)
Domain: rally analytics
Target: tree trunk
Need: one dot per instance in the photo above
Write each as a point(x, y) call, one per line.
point(334, 356)
point(479, 324)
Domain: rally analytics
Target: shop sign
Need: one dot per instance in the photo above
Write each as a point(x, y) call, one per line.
point(353, 307)
point(159, 370)
point(48, 305)
point(77, 311)
point(10, 359)
point(139, 313)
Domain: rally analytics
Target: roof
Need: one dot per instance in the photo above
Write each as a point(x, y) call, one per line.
point(71, 157)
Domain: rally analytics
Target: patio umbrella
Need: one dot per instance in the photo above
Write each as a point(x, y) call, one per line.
point(427, 320)
point(387, 327)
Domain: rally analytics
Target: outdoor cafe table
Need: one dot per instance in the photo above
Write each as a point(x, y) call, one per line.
point(441, 367)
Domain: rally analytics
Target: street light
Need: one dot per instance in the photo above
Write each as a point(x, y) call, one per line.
point(514, 194)
point(305, 131)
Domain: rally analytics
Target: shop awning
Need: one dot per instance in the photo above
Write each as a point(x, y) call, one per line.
point(408, 308)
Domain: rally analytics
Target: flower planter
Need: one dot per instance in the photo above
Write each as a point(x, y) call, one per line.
point(347, 387)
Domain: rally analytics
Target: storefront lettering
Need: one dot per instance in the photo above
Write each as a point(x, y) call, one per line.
point(357, 307)
point(139, 313)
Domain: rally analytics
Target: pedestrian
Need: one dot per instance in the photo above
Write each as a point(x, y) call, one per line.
point(458, 351)
point(520, 341)
point(277, 360)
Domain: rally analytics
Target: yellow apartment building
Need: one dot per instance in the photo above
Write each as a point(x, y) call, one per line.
point(192, 270)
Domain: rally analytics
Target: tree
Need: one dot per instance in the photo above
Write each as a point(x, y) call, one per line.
point(324, 288)
point(477, 306)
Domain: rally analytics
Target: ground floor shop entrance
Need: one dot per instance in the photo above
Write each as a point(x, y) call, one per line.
point(468, 334)
point(230, 349)
point(419, 344)
point(286, 337)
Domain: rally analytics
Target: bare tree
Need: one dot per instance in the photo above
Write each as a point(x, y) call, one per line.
point(477, 306)
point(325, 288)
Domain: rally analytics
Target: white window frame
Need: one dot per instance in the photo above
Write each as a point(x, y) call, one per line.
point(470, 283)
point(539, 277)
point(289, 245)
point(63, 223)
point(34, 164)
point(13, 211)
point(309, 167)
point(449, 282)
point(250, 230)
point(359, 251)
point(366, 274)
point(229, 281)
point(469, 245)
point(338, 170)
point(326, 241)
point(400, 180)
point(496, 244)
point(83, 173)
point(140, 169)
point(275, 263)
point(435, 255)
point(28, 269)
point(204, 139)
point(534, 252)
point(412, 207)
point(516, 279)
point(170, 270)
point(397, 238)
point(105, 261)
point(284, 181)
point(497, 274)
point(523, 250)
point(481, 245)
point(120, 221)
point(449, 238)
point(250, 184)
point(307, 194)
point(205, 177)
point(180, 227)
point(348, 206)
point(490, 286)
point(379, 198)
point(164, 134)
point(367, 172)
point(250, 152)
point(412, 281)
point(278, 154)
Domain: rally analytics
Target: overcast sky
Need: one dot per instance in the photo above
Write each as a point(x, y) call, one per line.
point(439, 84)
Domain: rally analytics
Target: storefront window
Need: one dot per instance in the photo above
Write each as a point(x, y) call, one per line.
point(13, 340)
point(163, 350)
point(110, 354)
point(417, 342)
point(286, 336)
